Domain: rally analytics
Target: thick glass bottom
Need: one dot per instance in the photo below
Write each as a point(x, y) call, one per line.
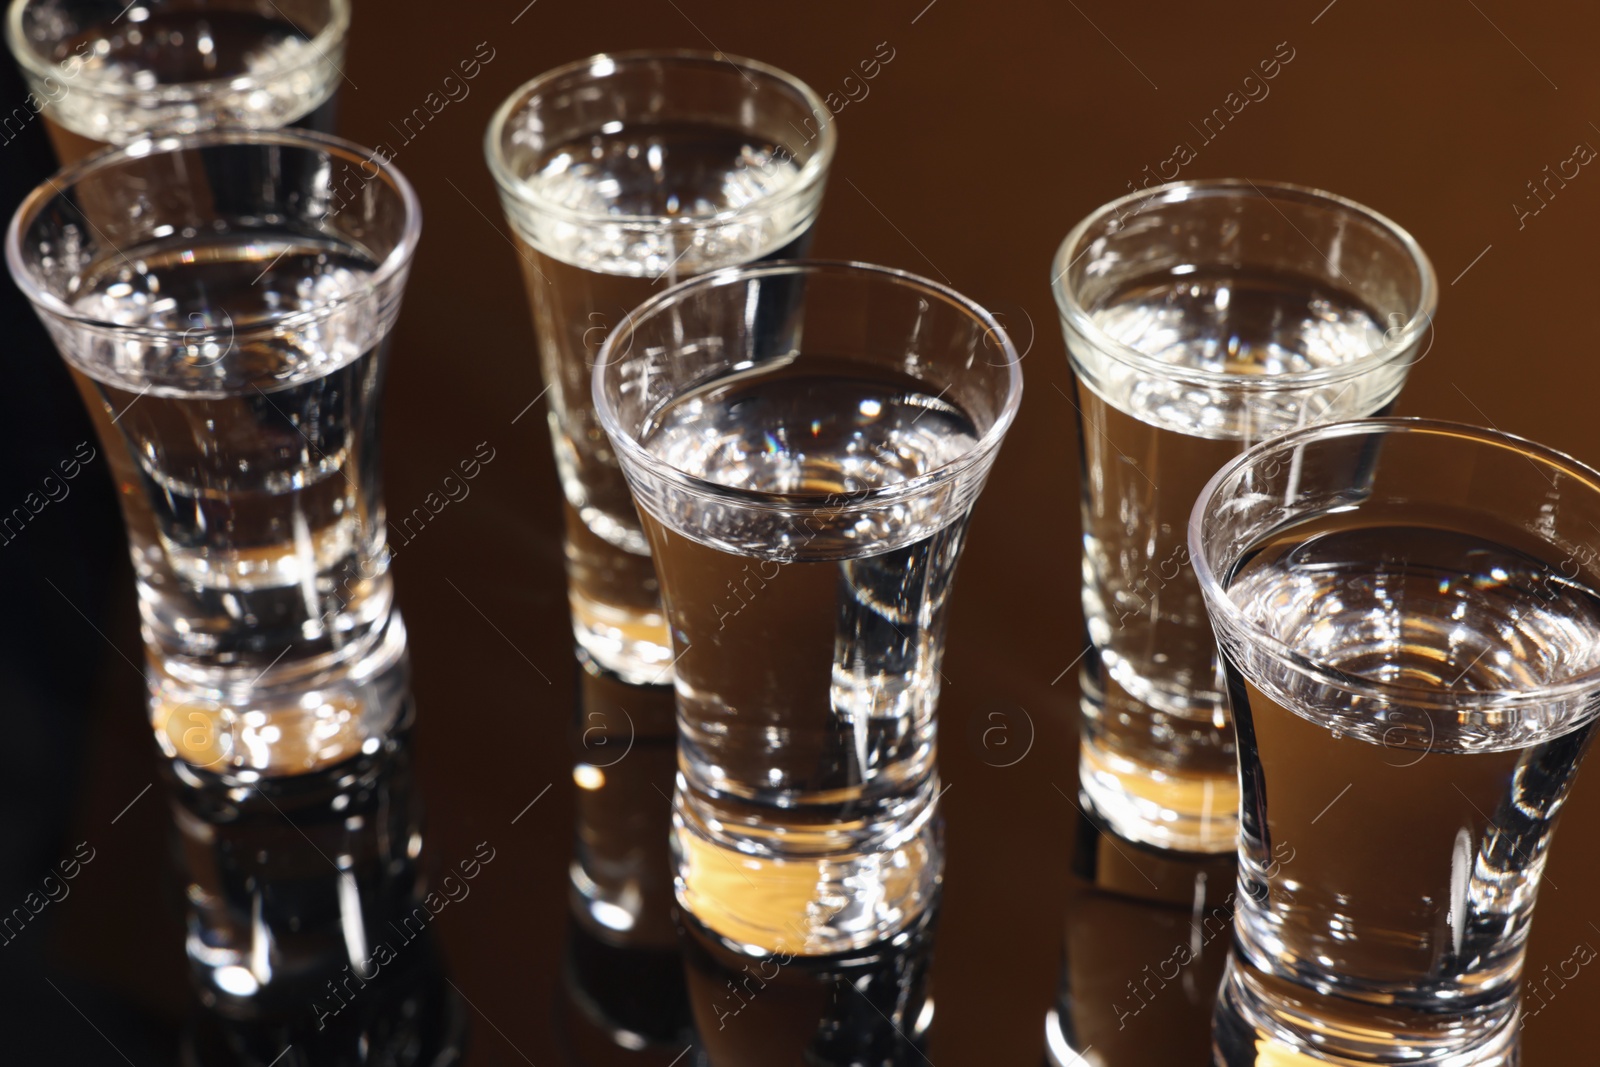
point(1263, 1021)
point(634, 645)
point(283, 725)
point(800, 902)
point(1158, 806)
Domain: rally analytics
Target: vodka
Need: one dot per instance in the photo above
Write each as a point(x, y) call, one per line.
point(107, 76)
point(251, 488)
point(809, 666)
point(686, 198)
point(1157, 752)
point(1423, 948)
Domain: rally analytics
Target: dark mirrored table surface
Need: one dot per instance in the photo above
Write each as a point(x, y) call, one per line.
point(982, 134)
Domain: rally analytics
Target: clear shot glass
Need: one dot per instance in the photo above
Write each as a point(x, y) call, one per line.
point(225, 301)
point(805, 442)
point(103, 73)
point(1200, 318)
point(1409, 614)
point(620, 175)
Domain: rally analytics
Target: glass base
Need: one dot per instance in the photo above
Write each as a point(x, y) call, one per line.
point(636, 646)
point(284, 726)
point(1262, 1021)
point(1157, 806)
point(806, 904)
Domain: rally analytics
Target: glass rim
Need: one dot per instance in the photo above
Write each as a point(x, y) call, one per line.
point(395, 262)
point(1078, 317)
point(1218, 602)
point(811, 172)
point(626, 441)
point(37, 66)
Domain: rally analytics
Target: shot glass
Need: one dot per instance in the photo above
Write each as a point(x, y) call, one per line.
point(1413, 660)
point(1201, 317)
point(805, 442)
point(621, 174)
point(226, 300)
point(103, 73)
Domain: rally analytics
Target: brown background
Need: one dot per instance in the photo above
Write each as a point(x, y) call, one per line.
point(993, 129)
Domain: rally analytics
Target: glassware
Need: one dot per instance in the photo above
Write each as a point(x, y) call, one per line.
point(106, 73)
point(1409, 613)
point(228, 298)
point(1201, 317)
point(622, 174)
point(805, 442)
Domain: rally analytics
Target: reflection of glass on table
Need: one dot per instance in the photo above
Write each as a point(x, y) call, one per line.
point(309, 915)
point(870, 1006)
point(1146, 937)
point(623, 975)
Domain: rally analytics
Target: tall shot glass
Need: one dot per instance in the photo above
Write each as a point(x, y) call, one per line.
point(805, 442)
point(104, 73)
point(621, 174)
point(227, 300)
point(1201, 317)
point(1409, 614)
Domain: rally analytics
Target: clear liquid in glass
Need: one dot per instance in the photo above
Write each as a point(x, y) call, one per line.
point(583, 277)
point(808, 669)
point(250, 484)
point(1418, 837)
point(155, 67)
point(1157, 754)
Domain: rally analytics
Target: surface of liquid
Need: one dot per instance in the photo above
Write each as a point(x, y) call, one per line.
point(686, 198)
point(152, 69)
point(809, 671)
point(152, 47)
point(810, 427)
point(251, 482)
point(1418, 832)
point(1158, 756)
point(1240, 322)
